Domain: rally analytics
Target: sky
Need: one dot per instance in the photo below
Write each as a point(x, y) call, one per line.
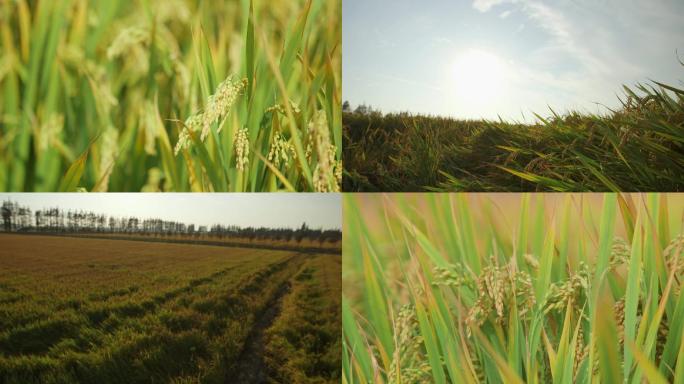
point(489, 58)
point(274, 210)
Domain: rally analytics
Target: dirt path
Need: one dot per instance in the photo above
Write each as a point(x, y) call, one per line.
point(251, 368)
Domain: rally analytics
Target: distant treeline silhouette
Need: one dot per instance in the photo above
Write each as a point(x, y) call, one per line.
point(17, 218)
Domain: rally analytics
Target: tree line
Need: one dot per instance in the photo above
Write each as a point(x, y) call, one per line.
point(17, 218)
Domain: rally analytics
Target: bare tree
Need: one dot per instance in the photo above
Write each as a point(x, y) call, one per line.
point(7, 216)
point(19, 218)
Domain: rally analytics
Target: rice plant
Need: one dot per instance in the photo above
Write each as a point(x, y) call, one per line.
point(639, 147)
point(570, 288)
point(170, 95)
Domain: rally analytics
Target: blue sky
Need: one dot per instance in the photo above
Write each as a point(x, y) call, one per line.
point(318, 210)
point(484, 58)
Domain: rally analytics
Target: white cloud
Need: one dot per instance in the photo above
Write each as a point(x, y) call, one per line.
point(486, 5)
point(563, 32)
point(579, 57)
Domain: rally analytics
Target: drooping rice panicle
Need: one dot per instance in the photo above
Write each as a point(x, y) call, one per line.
point(610, 312)
point(171, 77)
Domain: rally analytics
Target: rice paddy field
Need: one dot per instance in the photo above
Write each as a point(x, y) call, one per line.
point(638, 147)
point(116, 311)
point(170, 95)
point(513, 288)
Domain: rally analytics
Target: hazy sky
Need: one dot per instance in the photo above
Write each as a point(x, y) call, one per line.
point(243, 209)
point(483, 58)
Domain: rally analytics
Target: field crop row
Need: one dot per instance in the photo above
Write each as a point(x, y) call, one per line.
point(93, 310)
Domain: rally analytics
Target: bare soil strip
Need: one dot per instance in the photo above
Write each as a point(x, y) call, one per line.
point(251, 368)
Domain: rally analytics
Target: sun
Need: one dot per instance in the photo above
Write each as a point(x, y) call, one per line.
point(478, 76)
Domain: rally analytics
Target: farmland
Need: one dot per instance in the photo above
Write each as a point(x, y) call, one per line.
point(639, 147)
point(170, 95)
point(322, 245)
point(101, 310)
point(513, 288)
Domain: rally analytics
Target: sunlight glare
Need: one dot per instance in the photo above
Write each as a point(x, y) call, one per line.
point(478, 76)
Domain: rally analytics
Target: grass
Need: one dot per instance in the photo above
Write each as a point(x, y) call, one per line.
point(639, 147)
point(116, 311)
point(562, 288)
point(181, 95)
